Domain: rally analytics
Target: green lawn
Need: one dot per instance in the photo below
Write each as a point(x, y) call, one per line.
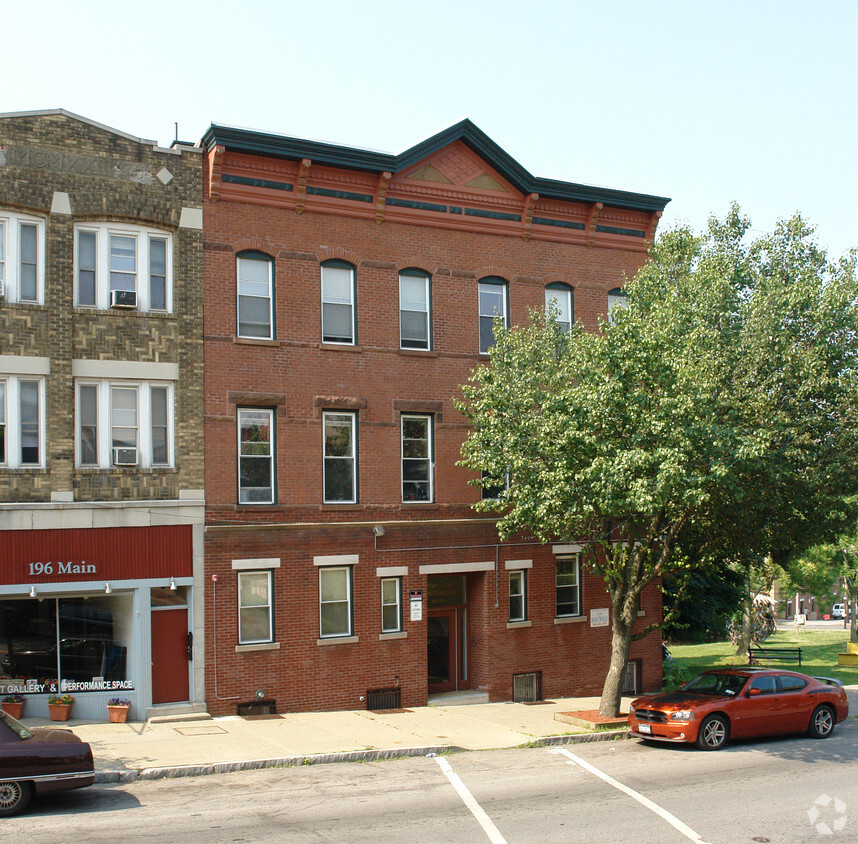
point(819, 649)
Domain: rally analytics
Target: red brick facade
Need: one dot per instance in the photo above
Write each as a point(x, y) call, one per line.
point(458, 209)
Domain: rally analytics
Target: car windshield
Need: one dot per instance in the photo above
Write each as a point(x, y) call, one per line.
point(726, 685)
point(15, 725)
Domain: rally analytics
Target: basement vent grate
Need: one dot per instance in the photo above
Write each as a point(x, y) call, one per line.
point(384, 699)
point(258, 707)
point(527, 688)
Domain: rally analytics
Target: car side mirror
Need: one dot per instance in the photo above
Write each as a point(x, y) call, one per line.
point(754, 692)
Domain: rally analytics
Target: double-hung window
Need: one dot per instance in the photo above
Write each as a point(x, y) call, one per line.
point(255, 456)
point(340, 467)
point(568, 586)
point(415, 321)
point(417, 458)
point(124, 423)
point(518, 595)
point(560, 298)
point(338, 303)
point(255, 608)
point(22, 421)
point(335, 601)
point(391, 605)
point(255, 295)
point(22, 258)
point(616, 299)
point(493, 305)
point(122, 266)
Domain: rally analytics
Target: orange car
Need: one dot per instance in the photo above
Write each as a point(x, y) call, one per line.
point(728, 703)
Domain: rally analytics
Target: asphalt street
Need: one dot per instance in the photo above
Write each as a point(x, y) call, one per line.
point(776, 790)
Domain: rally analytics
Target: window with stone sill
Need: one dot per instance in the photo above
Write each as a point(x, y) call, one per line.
point(339, 314)
point(255, 608)
point(560, 298)
point(335, 602)
point(415, 319)
point(22, 258)
point(255, 295)
point(492, 305)
point(22, 422)
point(123, 266)
point(124, 424)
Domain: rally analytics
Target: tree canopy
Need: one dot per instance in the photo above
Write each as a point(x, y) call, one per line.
point(720, 402)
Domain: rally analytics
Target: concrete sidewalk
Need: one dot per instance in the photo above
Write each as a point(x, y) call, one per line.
point(204, 745)
point(201, 745)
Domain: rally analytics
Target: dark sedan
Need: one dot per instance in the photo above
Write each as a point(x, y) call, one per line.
point(41, 761)
point(741, 703)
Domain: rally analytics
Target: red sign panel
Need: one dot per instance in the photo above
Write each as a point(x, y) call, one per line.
point(120, 553)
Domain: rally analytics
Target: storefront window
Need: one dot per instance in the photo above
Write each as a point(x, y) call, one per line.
point(66, 644)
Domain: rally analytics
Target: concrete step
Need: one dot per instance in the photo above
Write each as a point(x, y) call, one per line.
point(458, 698)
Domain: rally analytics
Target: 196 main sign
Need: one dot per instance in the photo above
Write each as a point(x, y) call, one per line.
point(42, 569)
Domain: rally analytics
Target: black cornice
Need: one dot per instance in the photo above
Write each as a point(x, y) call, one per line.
point(280, 146)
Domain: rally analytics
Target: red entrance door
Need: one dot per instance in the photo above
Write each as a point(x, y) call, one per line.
point(170, 655)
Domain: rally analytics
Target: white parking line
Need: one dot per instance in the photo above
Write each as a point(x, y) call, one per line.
point(468, 799)
point(677, 824)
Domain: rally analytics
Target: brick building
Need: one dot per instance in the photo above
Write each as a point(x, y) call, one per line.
point(101, 408)
point(348, 296)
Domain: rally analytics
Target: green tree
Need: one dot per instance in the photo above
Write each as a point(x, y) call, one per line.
point(720, 402)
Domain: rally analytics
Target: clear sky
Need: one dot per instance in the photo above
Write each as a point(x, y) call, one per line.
point(704, 102)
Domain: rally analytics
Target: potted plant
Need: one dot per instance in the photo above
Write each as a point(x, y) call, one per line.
point(59, 707)
point(14, 705)
point(117, 710)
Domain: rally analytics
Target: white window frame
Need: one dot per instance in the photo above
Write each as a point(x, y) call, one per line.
point(564, 297)
point(576, 558)
point(104, 422)
point(491, 285)
point(352, 457)
point(429, 420)
point(258, 258)
point(248, 575)
point(337, 634)
point(521, 576)
point(617, 298)
point(408, 307)
point(142, 276)
point(11, 421)
point(351, 303)
point(269, 412)
point(397, 587)
point(11, 225)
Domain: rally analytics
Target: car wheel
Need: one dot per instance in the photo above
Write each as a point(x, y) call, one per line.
point(821, 722)
point(14, 796)
point(713, 733)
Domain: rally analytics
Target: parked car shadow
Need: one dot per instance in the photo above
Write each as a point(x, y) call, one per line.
point(96, 798)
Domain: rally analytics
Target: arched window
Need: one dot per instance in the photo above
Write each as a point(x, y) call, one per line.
point(339, 312)
point(415, 309)
point(254, 274)
point(616, 299)
point(563, 297)
point(493, 303)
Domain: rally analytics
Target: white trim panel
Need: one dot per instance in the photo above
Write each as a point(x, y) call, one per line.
point(261, 563)
point(456, 568)
point(518, 564)
point(336, 560)
point(125, 369)
point(24, 365)
point(391, 571)
point(566, 549)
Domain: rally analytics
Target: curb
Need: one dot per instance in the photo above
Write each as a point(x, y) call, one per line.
point(177, 771)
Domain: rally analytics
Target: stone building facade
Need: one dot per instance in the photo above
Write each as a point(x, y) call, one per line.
point(348, 296)
point(101, 408)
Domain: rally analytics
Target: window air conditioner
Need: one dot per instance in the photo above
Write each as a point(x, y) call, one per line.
point(123, 299)
point(124, 456)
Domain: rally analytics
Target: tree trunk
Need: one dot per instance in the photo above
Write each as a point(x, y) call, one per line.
point(612, 691)
point(747, 625)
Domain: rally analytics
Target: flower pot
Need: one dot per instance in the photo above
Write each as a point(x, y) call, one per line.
point(59, 711)
point(117, 714)
point(16, 710)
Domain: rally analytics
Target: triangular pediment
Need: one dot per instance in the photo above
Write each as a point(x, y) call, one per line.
point(458, 166)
